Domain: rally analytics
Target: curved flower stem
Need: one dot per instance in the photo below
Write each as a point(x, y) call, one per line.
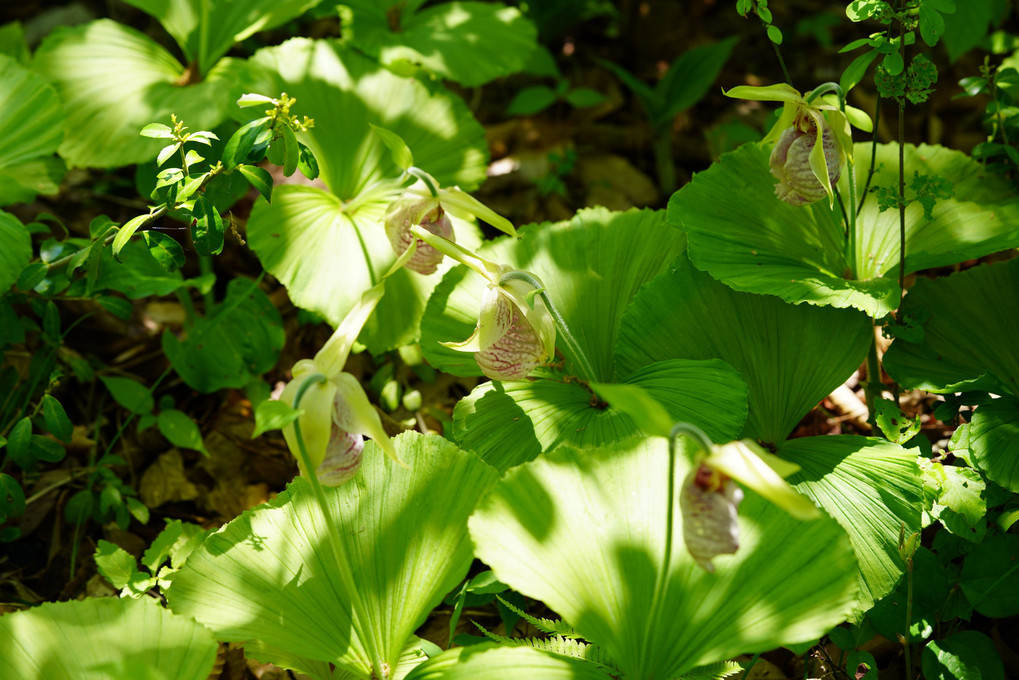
point(572, 345)
point(346, 574)
point(483, 267)
point(426, 178)
point(662, 579)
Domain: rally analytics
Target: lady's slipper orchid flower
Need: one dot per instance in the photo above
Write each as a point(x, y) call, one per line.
point(709, 498)
point(336, 411)
point(515, 331)
point(813, 137)
point(424, 204)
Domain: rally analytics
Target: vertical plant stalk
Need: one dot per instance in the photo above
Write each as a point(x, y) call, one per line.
point(902, 170)
point(563, 330)
point(662, 579)
point(909, 617)
point(357, 608)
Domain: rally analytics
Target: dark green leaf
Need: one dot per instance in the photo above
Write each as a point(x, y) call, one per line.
point(47, 450)
point(165, 250)
point(241, 147)
point(57, 422)
point(32, 275)
point(130, 394)
point(291, 152)
point(273, 415)
point(181, 430)
point(80, 507)
point(584, 97)
point(966, 655)
point(19, 442)
point(531, 100)
point(258, 178)
point(51, 323)
point(207, 227)
point(307, 163)
point(12, 497)
point(118, 307)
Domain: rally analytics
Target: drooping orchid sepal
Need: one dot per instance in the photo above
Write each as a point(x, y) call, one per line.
point(813, 136)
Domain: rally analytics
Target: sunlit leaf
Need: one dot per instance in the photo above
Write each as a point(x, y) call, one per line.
point(269, 577)
point(97, 638)
point(584, 532)
point(113, 81)
point(784, 352)
point(470, 43)
point(31, 127)
point(15, 249)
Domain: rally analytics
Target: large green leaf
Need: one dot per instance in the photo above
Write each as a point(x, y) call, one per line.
point(760, 244)
point(872, 488)
point(269, 577)
point(791, 356)
point(468, 42)
point(970, 323)
point(328, 248)
point(31, 127)
point(584, 532)
point(489, 662)
point(508, 424)
point(15, 249)
point(113, 81)
point(591, 266)
point(206, 30)
point(104, 639)
point(994, 441)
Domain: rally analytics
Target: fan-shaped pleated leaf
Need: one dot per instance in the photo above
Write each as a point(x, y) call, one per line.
point(511, 423)
point(994, 441)
point(584, 532)
point(270, 577)
point(31, 127)
point(761, 244)
point(492, 662)
point(206, 31)
point(970, 325)
point(15, 249)
point(328, 248)
point(591, 266)
point(113, 81)
point(467, 42)
point(872, 488)
point(104, 639)
point(791, 356)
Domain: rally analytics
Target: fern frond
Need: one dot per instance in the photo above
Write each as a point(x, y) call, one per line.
point(713, 671)
point(556, 645)
point(549, 626)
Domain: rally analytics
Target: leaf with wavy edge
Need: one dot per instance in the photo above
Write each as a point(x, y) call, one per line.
point(871, 487)
point(31, 127)
point(584, 532)
point(268, 577)
point(470, 43)
point(113, 81)
point(104, 638)
point(791, 356)
point(760, 244)
point(970, 325)
point(511, 423)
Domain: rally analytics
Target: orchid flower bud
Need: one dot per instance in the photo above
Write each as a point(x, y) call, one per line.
point(429, 214)
point(798, 183)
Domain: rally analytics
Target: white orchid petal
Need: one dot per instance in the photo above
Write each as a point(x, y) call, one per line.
point(354, 413)
point(743, 462)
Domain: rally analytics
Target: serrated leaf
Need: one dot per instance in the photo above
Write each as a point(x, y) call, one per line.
point(259, 178)
point(116, 565)
point(161, 546)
